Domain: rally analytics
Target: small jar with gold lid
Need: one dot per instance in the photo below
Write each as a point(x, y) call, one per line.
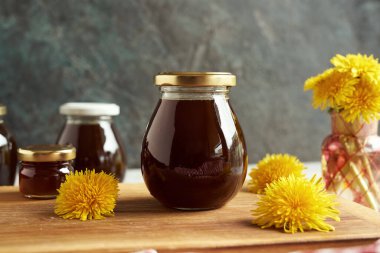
point(193, 154)
point(43, 168)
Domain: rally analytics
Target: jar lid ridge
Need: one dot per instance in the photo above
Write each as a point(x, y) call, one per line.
point(195, 79)
point(46, 153)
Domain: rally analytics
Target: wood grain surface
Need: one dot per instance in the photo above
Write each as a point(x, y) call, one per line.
point(140, 222)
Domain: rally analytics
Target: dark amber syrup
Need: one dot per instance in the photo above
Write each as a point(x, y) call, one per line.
point(42, 179)
point(98, 147)
point(193, 155)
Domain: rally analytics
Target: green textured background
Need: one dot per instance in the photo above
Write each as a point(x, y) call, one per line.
point(52, 52)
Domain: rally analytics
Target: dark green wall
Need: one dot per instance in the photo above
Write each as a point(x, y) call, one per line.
point(52, 52)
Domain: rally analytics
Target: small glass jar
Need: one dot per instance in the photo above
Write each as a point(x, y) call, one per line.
point(193, 154)
point(8, 152)
point(43, 168)
point(90, 129)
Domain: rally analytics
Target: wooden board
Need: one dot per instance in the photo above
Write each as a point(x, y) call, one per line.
point(141, 222)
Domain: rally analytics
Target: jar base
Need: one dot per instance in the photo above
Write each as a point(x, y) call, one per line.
point(29, 196)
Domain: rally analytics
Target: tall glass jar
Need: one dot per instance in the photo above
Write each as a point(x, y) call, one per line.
point(351, 160)
point(8, 152)
point(90, 129)
point(193, 153)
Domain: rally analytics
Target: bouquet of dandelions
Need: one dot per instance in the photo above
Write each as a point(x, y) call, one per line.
point(350, 90)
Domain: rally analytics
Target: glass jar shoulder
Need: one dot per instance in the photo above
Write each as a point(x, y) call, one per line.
point(8, 147)
point(369, 143)
point(5, 134)
point(194, 128)
point(94, 135)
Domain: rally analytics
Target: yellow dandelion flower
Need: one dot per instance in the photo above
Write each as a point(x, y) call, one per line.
point(363, 103)
point(271, 168)
point(363, 66)
point(295, 203)
point(87, 195)
point(330, 88)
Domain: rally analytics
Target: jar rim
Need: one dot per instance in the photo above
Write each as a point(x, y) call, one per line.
point(195, 79)
point(46, 153)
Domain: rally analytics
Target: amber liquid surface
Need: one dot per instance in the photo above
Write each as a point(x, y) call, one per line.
point(8, 157)
point(193, 154)
point(42, 179)
point(98, 147)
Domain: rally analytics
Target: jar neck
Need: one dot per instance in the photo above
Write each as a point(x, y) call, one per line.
point(358, 128)
point(74, 119)
point(47, 164)
point(194, 93)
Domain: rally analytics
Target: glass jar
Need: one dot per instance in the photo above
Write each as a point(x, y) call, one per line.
point(8, 152)
point(43, 168)
point(90, 129)
point(193, 153)
point(351, 161)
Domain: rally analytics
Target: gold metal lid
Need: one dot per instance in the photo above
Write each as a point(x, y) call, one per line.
point(46, 153)
point(3, 109)
point(195, 79)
